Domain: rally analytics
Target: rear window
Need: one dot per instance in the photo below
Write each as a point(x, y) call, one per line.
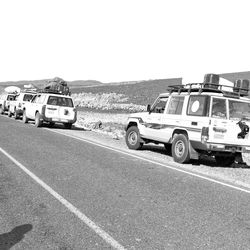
point(60, 101)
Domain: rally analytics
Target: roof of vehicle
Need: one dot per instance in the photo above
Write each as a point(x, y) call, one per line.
point(52, 92)
point(208, 89)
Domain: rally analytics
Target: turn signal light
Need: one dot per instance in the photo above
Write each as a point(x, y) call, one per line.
point(43, 109)
point(204, 134)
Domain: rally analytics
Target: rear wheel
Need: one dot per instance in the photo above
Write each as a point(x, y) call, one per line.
point(224, 161)
point(180, 148)
point(68, 125)
point(133, 138)
point(38, 121)
point(15, 114)
point(1, 110)
point(25, 119)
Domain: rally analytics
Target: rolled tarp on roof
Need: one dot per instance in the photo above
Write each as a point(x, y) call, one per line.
point(12, 90)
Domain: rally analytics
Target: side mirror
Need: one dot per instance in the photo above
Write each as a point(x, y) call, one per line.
point(149, 108)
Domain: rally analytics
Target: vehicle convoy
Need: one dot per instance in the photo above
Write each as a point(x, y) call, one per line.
point(16, 107)
point(51, 107)
point(197, 119)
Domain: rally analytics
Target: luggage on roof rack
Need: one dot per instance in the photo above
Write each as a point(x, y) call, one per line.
point(212, 81)
point(241, 86)
point(58, 85)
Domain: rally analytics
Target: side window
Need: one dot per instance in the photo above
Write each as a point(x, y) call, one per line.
point(27, 97)
point(198, 105)
point(159, 105)
point(35, 99)
point(175, 105)
point(219, 108)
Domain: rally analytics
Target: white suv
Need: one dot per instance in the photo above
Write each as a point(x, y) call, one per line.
point(51, 108)
point(5, 100)
point(16, 107)
point(195, 119)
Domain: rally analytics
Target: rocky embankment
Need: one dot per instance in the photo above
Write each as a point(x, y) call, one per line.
point(110, 124)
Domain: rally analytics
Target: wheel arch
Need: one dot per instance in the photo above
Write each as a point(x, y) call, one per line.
point(193, 153)
point(179, 131)
point(130, 124)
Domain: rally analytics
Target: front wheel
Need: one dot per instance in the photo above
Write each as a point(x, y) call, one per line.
point(15, 115)
point(180, 148)
point(133, 138)
point(1, 110)
point(25, 119)
point(38, 121)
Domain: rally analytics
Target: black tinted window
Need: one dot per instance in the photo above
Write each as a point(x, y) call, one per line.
point(27, 97)
point(60, 101)
point(198, 105)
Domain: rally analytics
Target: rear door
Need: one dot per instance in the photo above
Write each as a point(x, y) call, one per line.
point(60, 108)
point(229, 118)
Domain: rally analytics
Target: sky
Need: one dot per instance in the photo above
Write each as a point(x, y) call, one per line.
point(122, 40)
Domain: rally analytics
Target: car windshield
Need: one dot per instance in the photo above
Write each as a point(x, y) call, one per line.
point(239, 110)
point(60, 101)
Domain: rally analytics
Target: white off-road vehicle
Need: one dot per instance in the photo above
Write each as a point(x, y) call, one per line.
point(195, 119)
point(50, 107)
point(5, 100)
point(16, 107)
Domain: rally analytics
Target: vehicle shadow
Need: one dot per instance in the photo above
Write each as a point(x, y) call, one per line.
point(8, 240)
point(203, 160)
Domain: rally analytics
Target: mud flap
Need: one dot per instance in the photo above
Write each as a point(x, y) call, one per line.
point(193, 153)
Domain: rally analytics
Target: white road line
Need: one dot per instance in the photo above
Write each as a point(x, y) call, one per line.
point(155, 162)
point(67, 204)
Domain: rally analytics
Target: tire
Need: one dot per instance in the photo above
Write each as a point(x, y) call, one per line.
point(133, 138)
point(15, 115)
point(224, 161)
point(1, 111)
point(68, 125)
point(9, 113)
point(38, 121)
point(25, 119)
point(180, 149)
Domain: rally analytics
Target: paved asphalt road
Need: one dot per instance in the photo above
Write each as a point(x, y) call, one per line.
point(135, 204)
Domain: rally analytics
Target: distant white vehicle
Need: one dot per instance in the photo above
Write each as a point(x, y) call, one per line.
point(5, 100)
point(50, 108)
point(196, 119)
point(16, 107)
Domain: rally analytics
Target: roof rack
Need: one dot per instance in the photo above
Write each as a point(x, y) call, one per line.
point(32, 91)
point(226, 90)
point(50, 91)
